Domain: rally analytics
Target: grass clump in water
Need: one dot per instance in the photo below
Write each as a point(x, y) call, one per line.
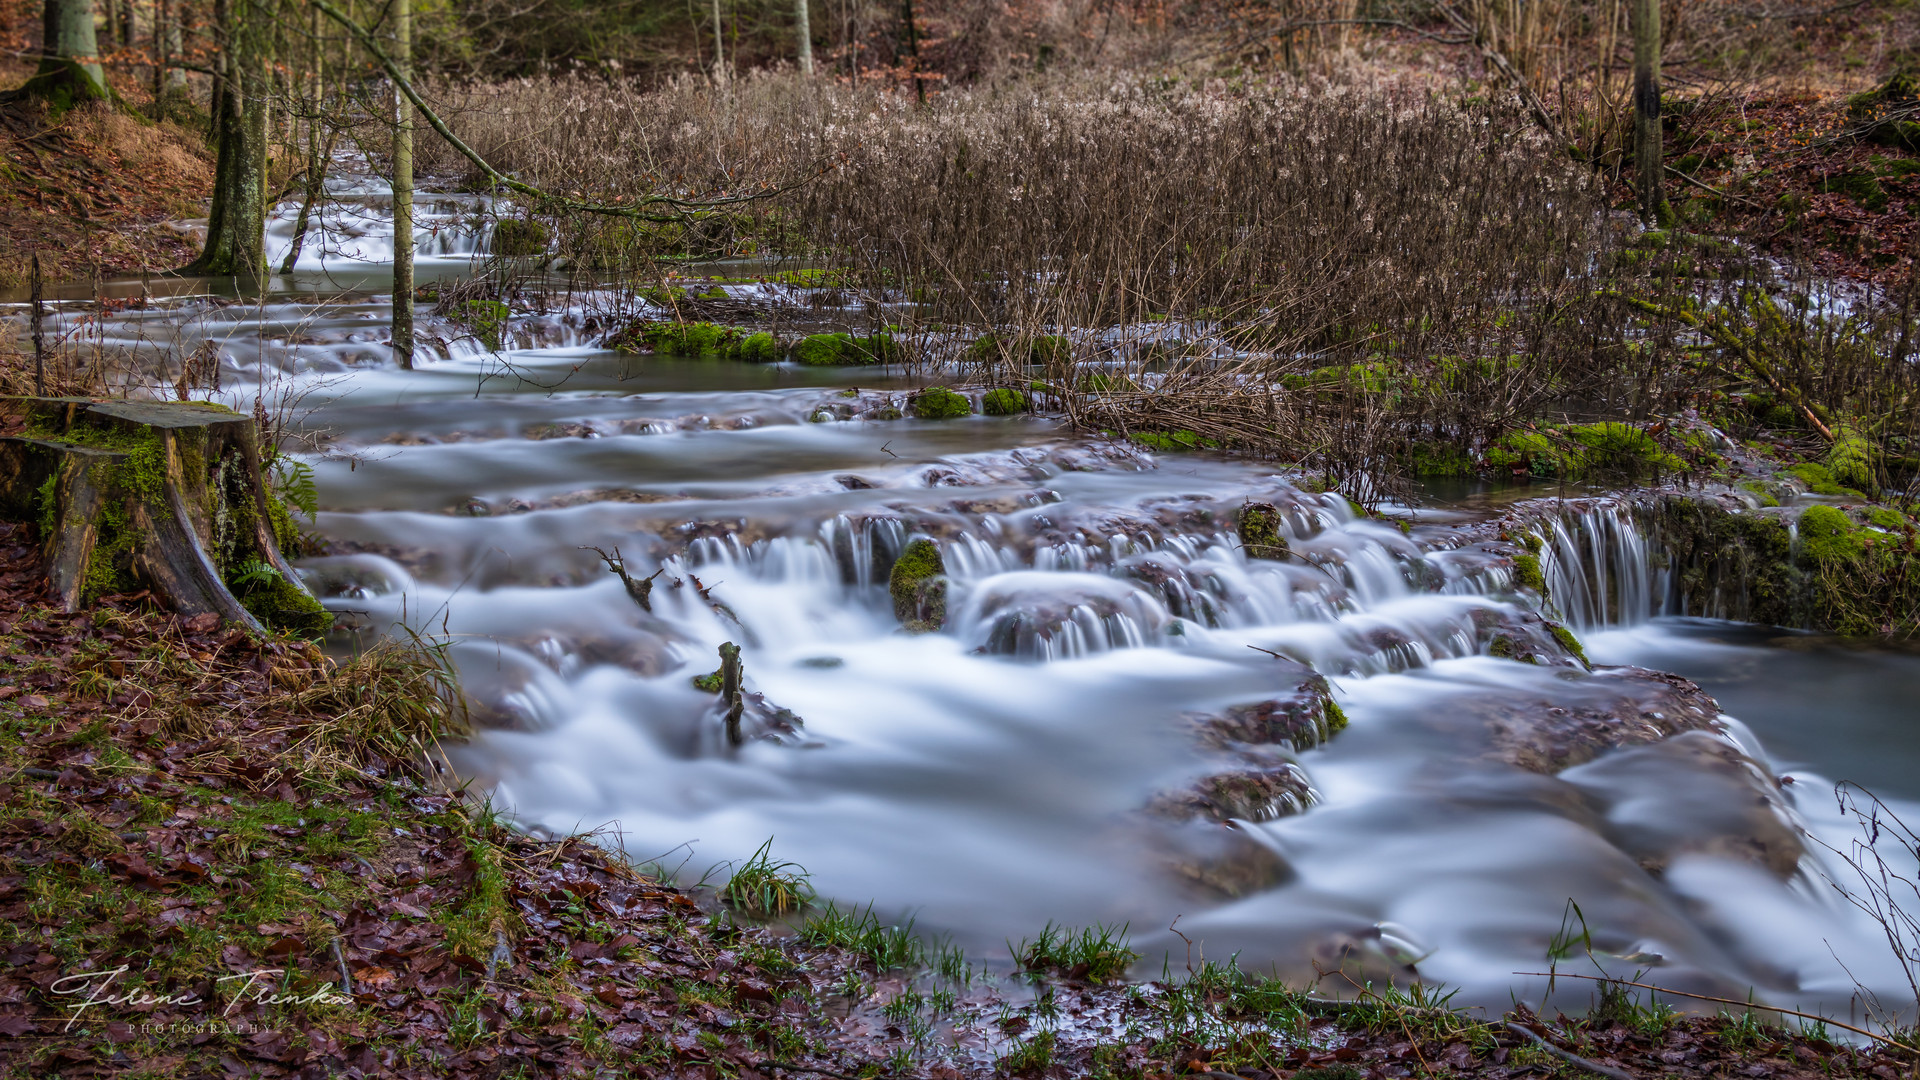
point(764, 887)
point(1097, 953)
point(889, 948)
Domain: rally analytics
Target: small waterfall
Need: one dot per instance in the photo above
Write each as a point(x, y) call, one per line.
point(1596, 563)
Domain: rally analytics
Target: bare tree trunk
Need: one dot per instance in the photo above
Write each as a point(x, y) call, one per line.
point(1649, 161)
point(319, 146)
point(804, 28)
point(175, 78)
point(236, 225)
point(913, 54)
point(403, 188)
point(719, 47)
point(69, 71)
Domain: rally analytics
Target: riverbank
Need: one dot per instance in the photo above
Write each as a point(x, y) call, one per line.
point(97, 193)
point(244, 833)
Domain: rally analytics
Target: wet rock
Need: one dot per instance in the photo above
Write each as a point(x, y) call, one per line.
point(642, 652)
point(1170, 580)
point(1212, 862)
point(1693, 794)
point(1259, 529)
point(1048, 615)
point(572, 430)
point(1301, 719)
point(1382, 954)
point(918, 585)
point(1610, 710)
point(1261, 792)
point(601, 495)
point(1527, 637)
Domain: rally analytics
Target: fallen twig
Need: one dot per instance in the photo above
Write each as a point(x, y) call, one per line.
point(1570, 1058)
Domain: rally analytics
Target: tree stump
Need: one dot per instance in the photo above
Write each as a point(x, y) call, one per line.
point(170, 497)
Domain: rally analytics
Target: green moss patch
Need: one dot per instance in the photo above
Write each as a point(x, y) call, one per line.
point(918, 586)
point(846, 350)
point(939, 403)
point(521, 238)
point(487, 319)
point(1004, 402)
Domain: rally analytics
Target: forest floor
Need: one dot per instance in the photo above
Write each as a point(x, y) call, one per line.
point(97, 192)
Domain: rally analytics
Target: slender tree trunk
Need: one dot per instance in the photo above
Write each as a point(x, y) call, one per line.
point(719, 47)
point(913, 53)
point(804, 28)
point(403, 188)
point(170, 46)
point(69, 71)
point(236, 225)
point(124, 16)
point(319, 146)
point(1649, 161)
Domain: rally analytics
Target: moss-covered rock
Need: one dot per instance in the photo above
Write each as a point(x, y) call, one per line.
point(1426, 459)
point(1259, 529)
point(1828, 537)
point(520, 238)
point(487, 319)
point(1169, 442)
point(1526, 451)
point(918, 585)
point(1619, 449)
point(1043, 350)
point(1850, 458)
point(1526, 572)
point(939, 403)
point(1819, 480)
point(1004, 402)
point(760, 348)
point(690, 339)
point(1569, 642)
point(846, 350)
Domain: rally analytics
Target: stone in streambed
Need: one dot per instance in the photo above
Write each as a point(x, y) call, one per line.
point(1259, 529)
point(919, 587)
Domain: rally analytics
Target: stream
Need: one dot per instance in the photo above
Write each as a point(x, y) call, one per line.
point(997, 776)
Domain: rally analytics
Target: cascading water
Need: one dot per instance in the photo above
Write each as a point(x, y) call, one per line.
point(1105, 628)
point(1597, 567)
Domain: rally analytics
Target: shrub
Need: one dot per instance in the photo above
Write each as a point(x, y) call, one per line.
point(519, 238)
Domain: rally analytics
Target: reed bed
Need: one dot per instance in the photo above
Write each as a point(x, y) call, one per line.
point(1355, 278)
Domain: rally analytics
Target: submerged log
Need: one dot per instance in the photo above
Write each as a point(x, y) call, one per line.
point(170, 497)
